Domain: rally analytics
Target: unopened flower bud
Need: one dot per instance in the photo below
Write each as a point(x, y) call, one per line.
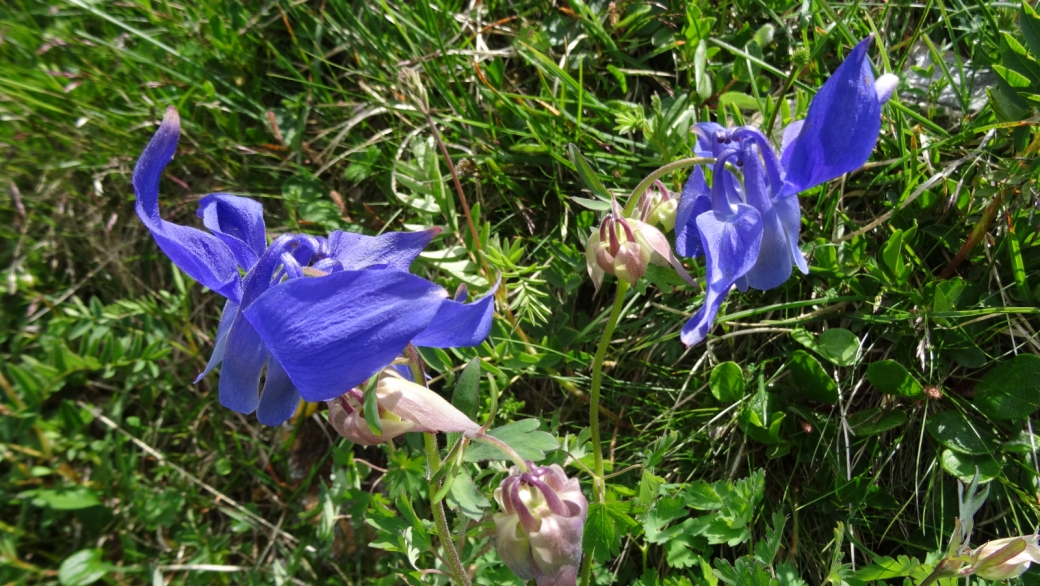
point(664, 214)
point(403, 406)
point(592, 249)
point(1002, 559)
point(540, 527)
point(630, 262)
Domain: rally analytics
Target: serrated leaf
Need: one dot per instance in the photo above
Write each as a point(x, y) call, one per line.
point(649, 485)
point(885, 568)
point(665, 511)
point(811, 380)
point(1011, 390)
point(466, 498)
point(766, 549)
point(727, 382)
point(892, 378)
point(523, 436)
point(606, 526)
point(962, 433)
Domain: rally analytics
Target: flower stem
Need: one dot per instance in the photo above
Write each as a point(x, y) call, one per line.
point(433, 462)
point(433, 465)
point(646, 183)
point(501, 445)
point(599, 487)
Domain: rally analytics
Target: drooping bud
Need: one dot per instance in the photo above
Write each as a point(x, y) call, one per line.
point(592, 250)
point(403, 406)
point(540, 527)
point(664, 214)
point(1002, 559)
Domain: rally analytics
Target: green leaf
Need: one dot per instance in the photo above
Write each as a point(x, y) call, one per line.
point(592, 204)
point(1015, 57)
point(607, 525)
point(962, 433)
point(839, 346)
point(811, 380)
point(876, 420)
point(73, 499)
point(83, 567)
point(665, 511)
point(1014, 78)
point(1030, 23)
point(766, 549)
point(1011, 390)
point(892, 378)
point(727, 382)
point(466, 395)
point(742, 101)
point(649, 485)
point(1006, 102)
point(523, 436)
point(963, 466)
point(588, 176)
point(466, 498)
point(892, 254)
point(371, 408)
point(885, 568)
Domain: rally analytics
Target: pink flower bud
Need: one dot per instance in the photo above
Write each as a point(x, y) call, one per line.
point(592, 251)
point(403, 406)
point(541, 524)
point(1003, 559)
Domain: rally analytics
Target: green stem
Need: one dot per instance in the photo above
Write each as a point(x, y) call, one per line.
point(767, 128)
point(598, 481)
point(646, 183)
point(599, 488)
point(433, 465)
point(503, 446)
point(433, 462)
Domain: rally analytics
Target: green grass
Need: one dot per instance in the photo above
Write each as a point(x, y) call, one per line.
point(106, 445)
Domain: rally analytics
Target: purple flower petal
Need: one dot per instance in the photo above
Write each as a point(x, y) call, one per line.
point(238, 222)
point(731, 245)
point(226, 318)
point(396, 250)
point(694, 201)
point(707, 145)
point(773, 265)
point(457, 324)
point(841, 128)
point(791, 132)
point(279, 400)
point(790, 214)
point(244, 358)
point(202, 256)
point(331, 333)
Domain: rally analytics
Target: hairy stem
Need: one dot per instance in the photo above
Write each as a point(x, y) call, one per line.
point(433, 462)
point(433, 465)
point(649, 180)
point(489, 439)
point(599, 489)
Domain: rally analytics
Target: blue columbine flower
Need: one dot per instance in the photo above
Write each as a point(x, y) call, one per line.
point(321, 314)
point(748, 231)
